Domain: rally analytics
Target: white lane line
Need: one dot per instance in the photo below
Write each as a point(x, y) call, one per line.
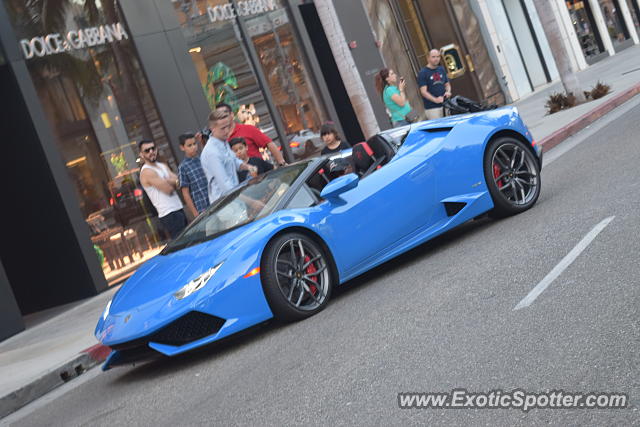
point(563, 264)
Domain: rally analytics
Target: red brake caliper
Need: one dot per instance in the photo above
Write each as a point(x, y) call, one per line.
point(310, 270)
point(496, 173)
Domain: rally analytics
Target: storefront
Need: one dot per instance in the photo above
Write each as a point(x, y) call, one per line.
point(517, 43)
point(604, 27)
point(452, 28)
point(96, 77)
point(586, 30)
point(616, 26)
point(97, 101)
point(634, 11)
point(247, 55)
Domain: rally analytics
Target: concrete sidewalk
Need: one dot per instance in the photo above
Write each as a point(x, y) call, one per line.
point(58, 349)
point(50, 352)
point(621, 72)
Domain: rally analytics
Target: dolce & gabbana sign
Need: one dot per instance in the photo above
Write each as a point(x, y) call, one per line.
point(75, 39)
point(226, 12)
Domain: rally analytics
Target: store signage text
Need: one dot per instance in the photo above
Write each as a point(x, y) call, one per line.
point(226, 12)
point(75, 39)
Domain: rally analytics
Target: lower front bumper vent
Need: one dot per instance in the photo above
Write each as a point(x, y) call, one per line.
point(188, 328)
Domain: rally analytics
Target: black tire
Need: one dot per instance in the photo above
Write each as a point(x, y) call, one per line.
point(512, 174)
point(302, 286)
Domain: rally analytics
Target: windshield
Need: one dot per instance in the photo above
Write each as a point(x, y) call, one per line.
point(245, 204)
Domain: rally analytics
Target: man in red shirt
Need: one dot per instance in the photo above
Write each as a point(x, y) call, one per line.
point(253, 136)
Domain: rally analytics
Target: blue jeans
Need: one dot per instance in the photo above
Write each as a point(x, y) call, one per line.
point(174, 223)
point(400, 123)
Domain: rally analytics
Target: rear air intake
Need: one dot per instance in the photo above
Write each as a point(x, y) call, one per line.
point(438, 130)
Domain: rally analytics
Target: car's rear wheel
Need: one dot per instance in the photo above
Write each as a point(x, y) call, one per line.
point(512, 174)
point(296, 276)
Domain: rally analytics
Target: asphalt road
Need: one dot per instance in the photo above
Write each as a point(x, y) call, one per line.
point(438, 318)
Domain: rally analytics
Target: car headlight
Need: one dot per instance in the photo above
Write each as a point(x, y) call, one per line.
point(197, 283)
point(106, 310)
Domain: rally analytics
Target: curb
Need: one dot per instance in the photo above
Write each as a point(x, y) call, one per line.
point(588, 118)
point(53, 379)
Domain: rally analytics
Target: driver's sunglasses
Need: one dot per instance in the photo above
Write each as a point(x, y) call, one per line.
point(148, 150)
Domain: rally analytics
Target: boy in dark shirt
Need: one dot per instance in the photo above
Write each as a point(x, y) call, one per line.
point(333, 143)
point(193, 182)
point(239, 146)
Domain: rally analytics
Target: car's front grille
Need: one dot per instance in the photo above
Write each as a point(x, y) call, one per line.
point(188, 328)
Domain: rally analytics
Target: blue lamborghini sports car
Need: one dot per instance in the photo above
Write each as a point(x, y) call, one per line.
point(278, 244)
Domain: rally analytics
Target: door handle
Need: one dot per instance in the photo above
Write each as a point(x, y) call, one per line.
point(470, 63)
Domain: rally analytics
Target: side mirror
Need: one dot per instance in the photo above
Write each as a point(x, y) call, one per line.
point(339, 185)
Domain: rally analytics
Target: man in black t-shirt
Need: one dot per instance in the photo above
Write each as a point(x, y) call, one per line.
point(239, 146)
point(434, 86)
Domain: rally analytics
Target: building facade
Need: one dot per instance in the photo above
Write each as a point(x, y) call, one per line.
point(403, 33)
point(84, 82)
point(591, 31)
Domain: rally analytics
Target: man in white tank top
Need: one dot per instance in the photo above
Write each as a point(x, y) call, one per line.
point(161, 184)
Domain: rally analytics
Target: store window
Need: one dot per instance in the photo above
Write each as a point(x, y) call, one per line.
point(634, 9)
point(614, 21)
point(584, 24)
point(222, 63)
point(227, 74)
point(97, 101)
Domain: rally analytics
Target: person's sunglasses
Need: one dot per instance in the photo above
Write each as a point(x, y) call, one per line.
point(148, 150)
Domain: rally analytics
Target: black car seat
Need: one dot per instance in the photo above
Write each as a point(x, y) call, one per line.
point(364, 161)
point(381, 148)
point(371, 155)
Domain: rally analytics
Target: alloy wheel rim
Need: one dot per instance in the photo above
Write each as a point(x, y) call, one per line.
point(514, 174)
point(302, 274)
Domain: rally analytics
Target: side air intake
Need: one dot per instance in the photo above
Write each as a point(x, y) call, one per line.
point(453, 208)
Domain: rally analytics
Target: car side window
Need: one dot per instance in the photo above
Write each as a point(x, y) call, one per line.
point(302, 199)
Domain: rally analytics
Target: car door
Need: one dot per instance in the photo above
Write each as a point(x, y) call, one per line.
point(383, 210)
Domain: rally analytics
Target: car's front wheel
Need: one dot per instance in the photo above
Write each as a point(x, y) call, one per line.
point(296, 276)
point(512, 174)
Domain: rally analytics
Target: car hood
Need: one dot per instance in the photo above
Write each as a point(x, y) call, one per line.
point(163, 275)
